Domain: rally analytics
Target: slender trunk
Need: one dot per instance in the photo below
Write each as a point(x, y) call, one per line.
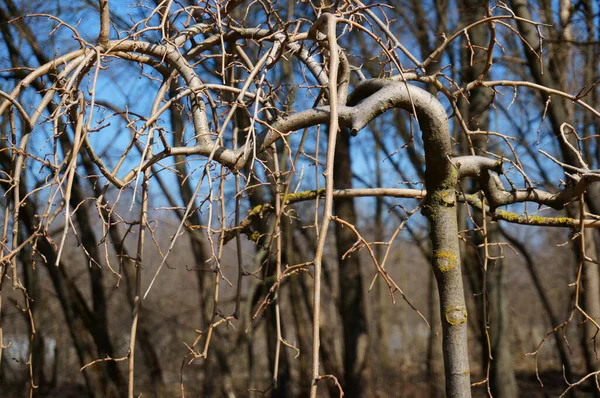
point(440, 208)
point(446, 264)
point(299, 315)
point(502, 376)
point(435, 365)
point(380, 316)
point(351, 301)
point(330, 355)
point(492, 306)
point(591, 304)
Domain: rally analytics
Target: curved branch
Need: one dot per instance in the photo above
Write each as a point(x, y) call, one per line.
point(498, 196)
point(373, 97)
point(22, 112)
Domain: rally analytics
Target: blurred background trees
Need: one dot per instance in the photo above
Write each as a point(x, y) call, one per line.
point(114, 195)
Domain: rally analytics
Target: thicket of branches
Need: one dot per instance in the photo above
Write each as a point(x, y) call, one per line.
point(232, 198)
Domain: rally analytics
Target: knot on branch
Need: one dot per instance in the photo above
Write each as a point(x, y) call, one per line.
point(476, 166)
point(456, 315)
point(319, 31)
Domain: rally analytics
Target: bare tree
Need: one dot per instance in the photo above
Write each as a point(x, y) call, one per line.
point(239, 127)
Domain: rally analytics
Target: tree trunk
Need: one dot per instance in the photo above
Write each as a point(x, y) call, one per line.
point(493, 308)
point(352, 301)
point(502, 376)
point(435, 365)
point(380, 304)
point(330, 358)
point(591, 303)
point(100, 379)
point(441, 179)
point(186, 193)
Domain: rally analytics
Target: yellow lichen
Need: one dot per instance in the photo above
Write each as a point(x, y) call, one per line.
point(446, 197)
point(565, 221)
point(445, 261)
point(451, 180)
point(256, 210)
point(453, 175)
point(254, 236)
point(534, 220)
point(304, 195)
point(456, 315)
point(260, 210)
